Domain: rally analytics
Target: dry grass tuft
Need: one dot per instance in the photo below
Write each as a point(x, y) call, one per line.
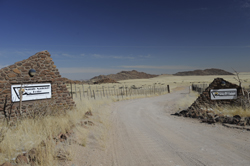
point(39, 131)
point(232, 111)
point(29, 133)
point(186, 101)
point(81, 135)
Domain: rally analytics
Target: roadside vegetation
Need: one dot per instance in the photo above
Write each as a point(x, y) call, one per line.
point(40, 132)
point(40, 135)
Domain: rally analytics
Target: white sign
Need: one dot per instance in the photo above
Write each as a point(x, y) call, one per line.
point(31, 92)
point(223, 94)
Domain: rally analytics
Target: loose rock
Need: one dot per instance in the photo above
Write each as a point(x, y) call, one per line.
point(6, 164)
point(22, 159)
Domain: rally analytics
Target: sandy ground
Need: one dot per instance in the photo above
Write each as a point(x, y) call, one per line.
point(143, 133)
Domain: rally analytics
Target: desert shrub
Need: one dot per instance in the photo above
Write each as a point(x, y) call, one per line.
point(228, 110)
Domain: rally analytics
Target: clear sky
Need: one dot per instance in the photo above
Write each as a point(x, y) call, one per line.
point(92, 37)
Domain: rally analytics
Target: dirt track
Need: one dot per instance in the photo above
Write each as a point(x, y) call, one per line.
point(143, 133)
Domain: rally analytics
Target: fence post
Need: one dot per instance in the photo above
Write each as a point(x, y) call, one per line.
point(80, 94)
point(90, 91)
point(117, 93)
point(108, 90)
point(71, 89)
point(168, 89)
point(75, 90)
point(121, 93)
point(83, 90)
point(94, 94)
point(103, 91)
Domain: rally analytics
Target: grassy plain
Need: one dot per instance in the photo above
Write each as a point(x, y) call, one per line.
point(31, 132)
point(180, 81)
point(164, 80)
point(175, 81)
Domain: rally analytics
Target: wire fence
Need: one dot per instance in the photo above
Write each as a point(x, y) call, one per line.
point(119, 91)
point(199, 87)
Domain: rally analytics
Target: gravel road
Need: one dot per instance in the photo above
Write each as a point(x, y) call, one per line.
point(143, 133)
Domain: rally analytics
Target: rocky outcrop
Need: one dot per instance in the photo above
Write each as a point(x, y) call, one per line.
point(68, 81)
point(105, 80)
point(124, 75)
point(203, 72)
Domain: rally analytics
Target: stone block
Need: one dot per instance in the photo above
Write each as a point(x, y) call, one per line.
point(6, 91)
point(12, 75)
point(51, 73)
point(43, 56)
point(27, 64)
point(16, 71)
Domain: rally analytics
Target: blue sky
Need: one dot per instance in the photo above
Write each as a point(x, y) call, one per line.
point(92, 37)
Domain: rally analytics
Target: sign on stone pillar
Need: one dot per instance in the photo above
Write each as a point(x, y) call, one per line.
point(223, 94)
point(46, 86)
point(31, 92)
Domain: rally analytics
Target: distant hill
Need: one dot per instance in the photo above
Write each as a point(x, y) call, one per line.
point(124, 75)
point(203, 72)
point(67, 81)
point(105, 80)
point(165, 75)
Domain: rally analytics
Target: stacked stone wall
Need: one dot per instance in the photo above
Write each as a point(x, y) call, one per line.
point(204, 100)
point(46, 72)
